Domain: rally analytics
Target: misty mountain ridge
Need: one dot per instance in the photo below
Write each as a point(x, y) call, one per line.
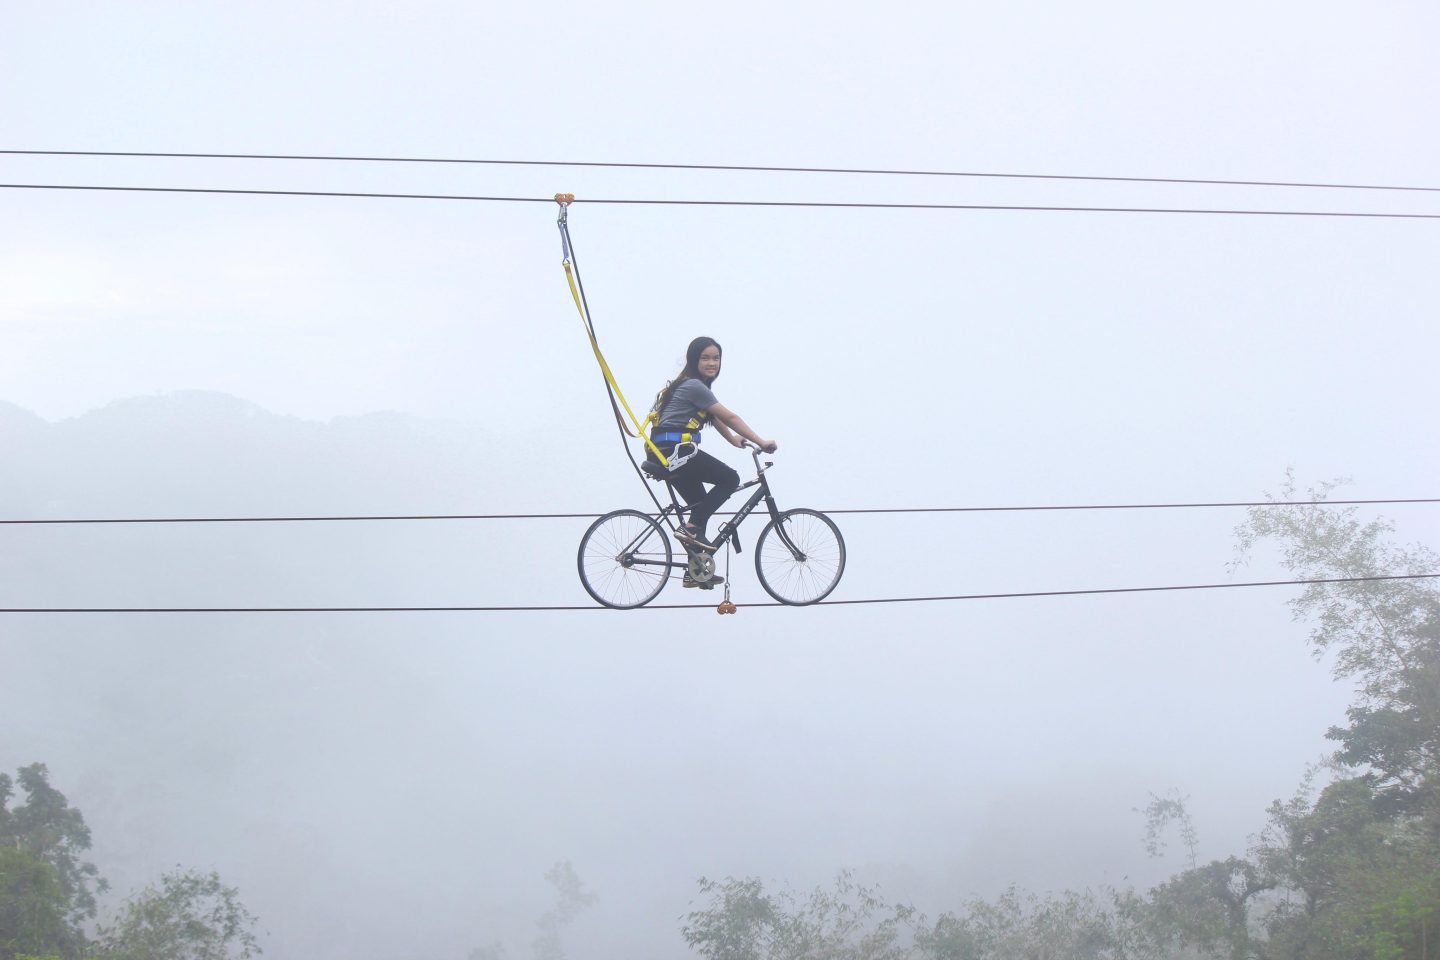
point(206, 452)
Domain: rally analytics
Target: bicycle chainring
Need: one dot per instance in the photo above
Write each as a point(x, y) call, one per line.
point(701, 566)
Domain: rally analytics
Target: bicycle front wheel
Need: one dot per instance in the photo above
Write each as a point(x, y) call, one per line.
point(800, 557)
point(624, 559)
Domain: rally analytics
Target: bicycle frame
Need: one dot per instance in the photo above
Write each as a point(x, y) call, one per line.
point(626, 556)
point(730, 529)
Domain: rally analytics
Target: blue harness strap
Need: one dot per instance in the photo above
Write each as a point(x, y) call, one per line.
point(675, 436)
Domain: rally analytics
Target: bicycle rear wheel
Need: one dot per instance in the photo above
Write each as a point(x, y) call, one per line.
point(624, 559)
point(800, 557)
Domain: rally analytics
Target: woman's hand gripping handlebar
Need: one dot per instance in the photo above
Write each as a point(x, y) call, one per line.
point(755, 450)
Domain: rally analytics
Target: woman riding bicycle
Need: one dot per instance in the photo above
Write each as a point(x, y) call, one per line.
point(626, 558)
point(682, 410)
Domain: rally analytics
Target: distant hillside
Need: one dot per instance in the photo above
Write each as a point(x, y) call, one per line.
point(207, 453)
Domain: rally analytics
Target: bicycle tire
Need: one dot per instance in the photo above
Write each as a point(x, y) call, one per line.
point(810, 576)
point(624, 559)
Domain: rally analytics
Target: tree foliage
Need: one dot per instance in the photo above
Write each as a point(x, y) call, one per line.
point(1346, 871)
point(1159, 813)
point(846, 921)
point(571, 898)
point(186, 915)
point(1016, 926)
point(47, 888)
point(48, 892)
point(1380, 632)
point(1349, 873)
point(32, 908)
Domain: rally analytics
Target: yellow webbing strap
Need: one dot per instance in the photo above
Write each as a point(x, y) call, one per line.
point(640, 429)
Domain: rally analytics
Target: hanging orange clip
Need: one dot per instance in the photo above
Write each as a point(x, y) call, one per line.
point(564, 199)
point(725, 607)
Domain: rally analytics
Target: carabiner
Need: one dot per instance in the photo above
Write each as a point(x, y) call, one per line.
point(563, 222)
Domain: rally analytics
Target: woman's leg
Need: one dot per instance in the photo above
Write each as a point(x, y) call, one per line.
point(689, 480)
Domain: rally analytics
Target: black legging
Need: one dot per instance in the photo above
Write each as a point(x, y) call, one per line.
point(690, 478)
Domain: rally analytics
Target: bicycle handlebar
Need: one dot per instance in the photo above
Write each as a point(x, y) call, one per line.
point(755, 451)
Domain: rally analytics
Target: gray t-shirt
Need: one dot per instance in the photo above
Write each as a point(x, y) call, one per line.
point(689, 398)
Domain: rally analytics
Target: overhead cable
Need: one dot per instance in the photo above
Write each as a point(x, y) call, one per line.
point(591, 516)
point(734, 168)
point(813, 204)
point(702, 606)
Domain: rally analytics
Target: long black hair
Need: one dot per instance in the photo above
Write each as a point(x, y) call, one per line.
point(692, 369)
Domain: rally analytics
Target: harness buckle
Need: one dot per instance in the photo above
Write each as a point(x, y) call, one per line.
point(682, 453)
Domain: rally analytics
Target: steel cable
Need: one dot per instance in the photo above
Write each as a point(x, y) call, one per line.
point(591, 516)
point(1028, 594)
point(722, 167)
point(809, 204)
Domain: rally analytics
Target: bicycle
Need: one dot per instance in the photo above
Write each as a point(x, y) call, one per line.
point(626, 557)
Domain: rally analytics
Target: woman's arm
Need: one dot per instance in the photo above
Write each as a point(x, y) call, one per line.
point(728, 434)
point(725, 417)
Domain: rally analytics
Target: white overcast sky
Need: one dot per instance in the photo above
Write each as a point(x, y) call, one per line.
point(900, 357)
point(1067, 357)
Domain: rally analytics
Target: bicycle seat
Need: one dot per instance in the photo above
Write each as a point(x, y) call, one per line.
point(653, 470)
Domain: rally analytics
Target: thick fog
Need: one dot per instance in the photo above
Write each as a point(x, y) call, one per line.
point(378, 783)
point(398, 784)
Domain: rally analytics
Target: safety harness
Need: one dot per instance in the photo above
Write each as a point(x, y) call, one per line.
point(686, 440)
point(687, 443)
point(568, 253)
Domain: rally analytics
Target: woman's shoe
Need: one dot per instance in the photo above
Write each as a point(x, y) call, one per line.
point(710, 584)
point(689, 536)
